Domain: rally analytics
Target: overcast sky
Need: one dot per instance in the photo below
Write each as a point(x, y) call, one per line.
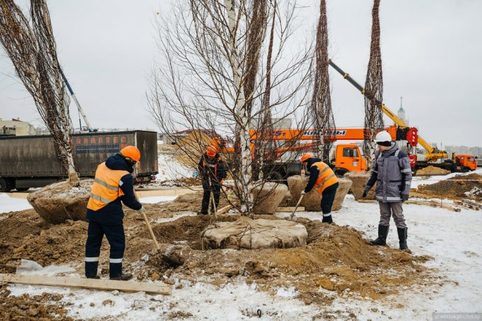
point(431, 52)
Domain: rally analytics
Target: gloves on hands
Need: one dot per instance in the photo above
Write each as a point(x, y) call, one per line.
point(141, 210)
point(303, 193)
point(404, 197)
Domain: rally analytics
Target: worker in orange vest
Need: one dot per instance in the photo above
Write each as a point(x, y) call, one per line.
point(113, 184)
point(324, 180)
point(212, 170)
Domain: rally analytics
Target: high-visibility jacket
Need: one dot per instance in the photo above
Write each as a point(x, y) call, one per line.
point(106, 187)
point(326, 177)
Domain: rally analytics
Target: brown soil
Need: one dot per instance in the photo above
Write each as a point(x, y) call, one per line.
point(336, 258)
point(432, 170)
point(454, 188)
point(31, 308)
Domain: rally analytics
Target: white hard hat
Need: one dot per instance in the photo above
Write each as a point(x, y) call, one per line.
point(383, 136)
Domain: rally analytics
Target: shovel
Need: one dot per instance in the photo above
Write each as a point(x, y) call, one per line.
point(297, 204)
point(143, 211)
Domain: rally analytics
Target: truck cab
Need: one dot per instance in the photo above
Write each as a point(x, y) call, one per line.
point(466, 162)
point(348, 158)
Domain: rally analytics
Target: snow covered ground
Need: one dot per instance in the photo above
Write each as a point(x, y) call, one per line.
point(8, 204)
point(170, 169)
point(454, 240)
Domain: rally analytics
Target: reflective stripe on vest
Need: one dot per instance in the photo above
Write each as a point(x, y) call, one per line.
point(105, 188)
point(326, 177)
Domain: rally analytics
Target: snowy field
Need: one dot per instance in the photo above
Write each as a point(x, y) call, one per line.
point(454, 240)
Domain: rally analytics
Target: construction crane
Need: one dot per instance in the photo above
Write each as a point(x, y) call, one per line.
point(79, 108)
point(432, 153)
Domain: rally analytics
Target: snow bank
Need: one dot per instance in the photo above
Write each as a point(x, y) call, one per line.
point(10, 204)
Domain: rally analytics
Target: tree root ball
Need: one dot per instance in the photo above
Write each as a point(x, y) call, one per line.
point(59, 202)
point(254, 234)
point(268, 197)
point(312, 200)
point(359, 181)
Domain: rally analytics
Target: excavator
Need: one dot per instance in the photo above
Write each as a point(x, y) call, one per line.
point(433, 156)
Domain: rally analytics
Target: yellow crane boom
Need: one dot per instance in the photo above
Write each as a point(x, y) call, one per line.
point(432, 153)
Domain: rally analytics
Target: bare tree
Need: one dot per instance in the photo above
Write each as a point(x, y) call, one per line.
point(373, 86)
point(321, 102)
point(211, 77)
point(32, 50)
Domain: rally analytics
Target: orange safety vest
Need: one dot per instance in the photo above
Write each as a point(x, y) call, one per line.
point(326, 177)
point(106, 187)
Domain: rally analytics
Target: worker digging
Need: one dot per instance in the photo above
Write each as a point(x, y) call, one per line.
point(393, 175)
point(323, 180)
point(113, 185)
point(212, 170)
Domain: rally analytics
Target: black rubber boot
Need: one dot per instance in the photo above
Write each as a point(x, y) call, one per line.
point(122, 277)
point(402, 237)
point(382, 236)
point(327, 219)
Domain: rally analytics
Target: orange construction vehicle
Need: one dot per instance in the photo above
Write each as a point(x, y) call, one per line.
point(345, 157)
point(433, 156)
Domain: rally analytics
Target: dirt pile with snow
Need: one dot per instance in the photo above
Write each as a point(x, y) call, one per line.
point(31, 308)
point(59, 202)
point(432, 170)
point(458, 187)
point(336, 258)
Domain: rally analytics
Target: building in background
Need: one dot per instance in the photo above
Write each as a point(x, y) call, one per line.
point(16, 127)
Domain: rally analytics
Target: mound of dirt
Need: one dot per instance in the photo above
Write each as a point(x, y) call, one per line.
point(59, 202)
point(254, 234)
point(336, 258)
point(359, 181)
point(432, 170)
point(31, 308)
point(13, 229)
point(458, 187)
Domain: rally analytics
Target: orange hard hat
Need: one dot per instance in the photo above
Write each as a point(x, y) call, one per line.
point(131, 152)
point(211, 151)
point(305, 157)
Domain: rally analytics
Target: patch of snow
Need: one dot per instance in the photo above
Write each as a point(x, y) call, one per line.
point(428, 180)
point(170, 169)
point(157, 199)
point(10, 204)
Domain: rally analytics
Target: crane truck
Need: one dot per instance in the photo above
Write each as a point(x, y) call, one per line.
point(433, 156)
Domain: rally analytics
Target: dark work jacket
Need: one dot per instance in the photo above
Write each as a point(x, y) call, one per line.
point(392, 173)
point(112, 213)
point(211, 170)
point(314, 172)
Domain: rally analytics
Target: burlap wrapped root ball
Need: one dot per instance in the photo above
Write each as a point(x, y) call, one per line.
point(312, 200)
point(344, 185)
point(61, 201)
point(359, 182)
point(254, 234)
point(268, 197)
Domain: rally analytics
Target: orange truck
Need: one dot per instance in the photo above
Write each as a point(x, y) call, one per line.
point(344, 157)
